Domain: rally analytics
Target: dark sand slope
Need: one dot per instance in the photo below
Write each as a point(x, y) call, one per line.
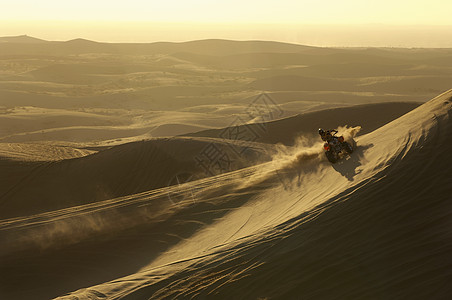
point(122, 170)
point(285, 131)
point(376, 226)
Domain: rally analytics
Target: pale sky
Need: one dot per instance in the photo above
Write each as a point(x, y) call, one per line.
point(177, 20)
point(434, 12)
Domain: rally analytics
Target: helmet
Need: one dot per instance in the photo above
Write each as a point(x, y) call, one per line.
point(321, 131)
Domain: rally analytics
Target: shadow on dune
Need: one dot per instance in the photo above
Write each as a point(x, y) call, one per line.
point(348, 167)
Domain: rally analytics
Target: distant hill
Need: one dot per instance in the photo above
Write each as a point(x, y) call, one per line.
point(214, 47)
point(81, 41)
point(21, 39)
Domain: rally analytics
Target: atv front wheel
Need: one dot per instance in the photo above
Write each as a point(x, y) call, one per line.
point(348, 148)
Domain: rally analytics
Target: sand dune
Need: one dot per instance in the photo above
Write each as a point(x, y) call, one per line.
point(293, 226)
point(150, 171)
point(353, 237)
point(39, 152)
point(159, 159)
point(396, 84)
point(286, 131)
point(84, 74)
point(122, 170)
point(28, 124)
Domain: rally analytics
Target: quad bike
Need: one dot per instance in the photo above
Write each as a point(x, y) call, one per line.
point(335, 146)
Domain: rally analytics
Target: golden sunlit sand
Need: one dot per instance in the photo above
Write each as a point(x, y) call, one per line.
point(194, 170)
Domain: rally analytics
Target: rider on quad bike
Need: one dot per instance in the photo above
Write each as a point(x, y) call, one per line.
point(334, 145)
point(327, 135)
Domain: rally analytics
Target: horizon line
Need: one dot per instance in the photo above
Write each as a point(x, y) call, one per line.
point(204, 39)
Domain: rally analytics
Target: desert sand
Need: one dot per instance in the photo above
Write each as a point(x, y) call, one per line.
point(194, 170)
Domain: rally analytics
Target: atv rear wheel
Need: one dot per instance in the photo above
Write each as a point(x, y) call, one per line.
point(331, 157)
